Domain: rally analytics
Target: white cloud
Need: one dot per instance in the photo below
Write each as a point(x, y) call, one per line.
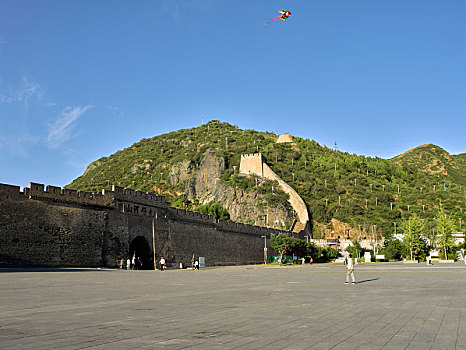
point(22, 93)
point(29, 89)
point(115, 110)
point(60, 130)
point(16, 144)
point(6, 99)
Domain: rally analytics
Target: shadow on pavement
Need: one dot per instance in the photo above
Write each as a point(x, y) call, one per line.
point(364, 281)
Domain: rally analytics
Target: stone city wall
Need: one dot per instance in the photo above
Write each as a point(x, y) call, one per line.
point(37, 233)
point(51, 226)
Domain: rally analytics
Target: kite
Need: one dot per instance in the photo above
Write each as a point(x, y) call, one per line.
point(284, 15)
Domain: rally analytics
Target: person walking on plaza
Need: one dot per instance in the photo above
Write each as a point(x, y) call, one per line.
point(162, 263)
point(349, 270)
point(128, 264)
point(138, 263)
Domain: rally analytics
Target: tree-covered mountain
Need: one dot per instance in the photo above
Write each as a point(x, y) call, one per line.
point(436, 161)
point(346, 193)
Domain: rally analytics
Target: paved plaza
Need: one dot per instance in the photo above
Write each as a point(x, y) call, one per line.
point(393, 306)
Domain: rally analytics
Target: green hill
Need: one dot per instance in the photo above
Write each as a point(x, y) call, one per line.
point(436, 161)
point(345, 192)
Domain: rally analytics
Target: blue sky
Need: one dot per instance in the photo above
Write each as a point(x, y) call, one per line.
point(82, 79)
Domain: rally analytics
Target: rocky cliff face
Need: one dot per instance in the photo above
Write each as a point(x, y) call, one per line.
point(243, 206)
point(181, 172)
point(203, 186)
point(251, 208)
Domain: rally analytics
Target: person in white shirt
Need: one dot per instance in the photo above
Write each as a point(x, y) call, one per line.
point(162, 263)
point(350, 270)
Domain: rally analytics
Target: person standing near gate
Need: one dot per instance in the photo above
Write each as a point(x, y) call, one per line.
point(162, 263)
point(349, 270)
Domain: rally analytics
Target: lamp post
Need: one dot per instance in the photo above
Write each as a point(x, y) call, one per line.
point(265, 248)
point(153, 240)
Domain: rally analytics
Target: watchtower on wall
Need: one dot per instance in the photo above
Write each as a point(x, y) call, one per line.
point(254, 164)
point(284, 138)
point(251, 164)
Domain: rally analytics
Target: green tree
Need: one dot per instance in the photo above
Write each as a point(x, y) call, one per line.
point(302, 248)
point(355, 249)
point(328, 253)
point(394, 249)
point(215, 209)
point(282, 243)
point(444, 227)
point(413, 229)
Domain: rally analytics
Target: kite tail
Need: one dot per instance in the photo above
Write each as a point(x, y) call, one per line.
point(273, 19)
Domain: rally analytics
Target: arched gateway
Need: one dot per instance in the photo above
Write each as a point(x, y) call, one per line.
point(141, 248)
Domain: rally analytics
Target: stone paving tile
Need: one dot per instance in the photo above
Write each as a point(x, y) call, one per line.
point(418, 346)
point(445, 340)
point(370, 346)
point(445, 347)
point(347, 345)
point(241, 343)
point(300, 344)
point(425, 336)
point(461, 340)
point(395, 346)
point(244, 307)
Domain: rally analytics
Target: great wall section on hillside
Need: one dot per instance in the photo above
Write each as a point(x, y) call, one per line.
point(53, 226)
point(255, 164)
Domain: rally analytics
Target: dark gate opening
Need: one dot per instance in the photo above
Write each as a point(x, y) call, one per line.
point(139, 247)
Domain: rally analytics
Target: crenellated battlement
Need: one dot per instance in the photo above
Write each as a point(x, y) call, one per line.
point(139, 197)
point(252, 156)
point(106, 198)
point(187, 215)
point(222, 225)
point(9, 191)
point(245, 228)
point(64, 195)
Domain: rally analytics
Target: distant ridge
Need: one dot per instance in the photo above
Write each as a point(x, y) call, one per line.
point(413, 149)
point(436, 161)
point(196, 166)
